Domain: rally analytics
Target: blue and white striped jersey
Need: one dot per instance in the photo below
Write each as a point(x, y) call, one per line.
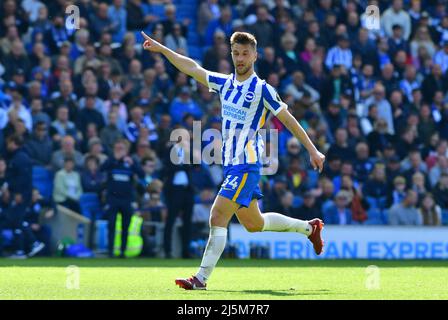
point(245, 108)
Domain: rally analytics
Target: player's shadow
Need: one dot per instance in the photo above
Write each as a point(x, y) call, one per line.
point(280, 293)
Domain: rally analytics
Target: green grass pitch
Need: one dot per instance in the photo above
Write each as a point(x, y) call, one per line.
point(47, 278)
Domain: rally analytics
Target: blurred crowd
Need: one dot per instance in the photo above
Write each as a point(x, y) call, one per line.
point(373, 100)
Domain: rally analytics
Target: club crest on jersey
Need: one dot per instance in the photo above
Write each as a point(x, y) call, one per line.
point(249, 96)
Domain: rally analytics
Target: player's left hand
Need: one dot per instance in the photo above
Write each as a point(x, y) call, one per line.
point(317, 160)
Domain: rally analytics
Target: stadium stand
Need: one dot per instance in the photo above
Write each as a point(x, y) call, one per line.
point(374, 101)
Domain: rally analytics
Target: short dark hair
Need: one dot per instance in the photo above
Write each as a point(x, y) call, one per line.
point(16, 139)
point(243, 38)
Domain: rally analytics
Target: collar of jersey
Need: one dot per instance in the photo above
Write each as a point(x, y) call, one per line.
point(243, 82)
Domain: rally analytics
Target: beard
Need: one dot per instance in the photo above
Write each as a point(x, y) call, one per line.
point(242, 71)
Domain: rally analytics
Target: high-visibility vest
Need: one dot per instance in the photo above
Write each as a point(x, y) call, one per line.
point(135, 241)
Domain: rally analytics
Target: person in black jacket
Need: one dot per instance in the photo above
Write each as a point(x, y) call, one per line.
point(120, 170)
point(179, 195)
point(18, 178)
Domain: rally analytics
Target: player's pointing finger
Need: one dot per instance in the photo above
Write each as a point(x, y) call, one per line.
point(145, 35)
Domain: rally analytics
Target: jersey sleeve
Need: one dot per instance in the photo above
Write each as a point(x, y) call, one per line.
point(272, 99)
point(215, 81)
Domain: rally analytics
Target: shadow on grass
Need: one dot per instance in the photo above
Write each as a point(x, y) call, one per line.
point(278, 293)
point(226, 263)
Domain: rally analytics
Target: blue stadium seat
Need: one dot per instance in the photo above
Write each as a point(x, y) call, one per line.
point(297, 202)
point(42, 180)
point(374, 217)
point(193, 39)
point(373, 202)
point(382, 202)
point(195, 52)
point(445, 217)
point(6, 236)
point(327, 205)
point(385, 216)
point(155, 9)
point(313, 178)
point(91, 206)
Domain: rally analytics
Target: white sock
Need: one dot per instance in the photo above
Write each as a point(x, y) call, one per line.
point(281, 223)
point(215, 246)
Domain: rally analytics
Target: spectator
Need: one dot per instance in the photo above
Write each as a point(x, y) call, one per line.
point(436, 171)
point(379, 138)
point(340, 54)
point(140, 120)
point(441, 57)
point(376, 185)
point(433, 82)
point(430, 211)
point(309, 208)
point(396, 42)
point(67, 186)
point(405, 213)
point(219, 49)
point(95, 148)
point(422, 38)
point(384, 108)
point(62, 127)
point(418, 185)
point(115, 102)
point(67, 150)
point(170, 21)
point(298, 87)
point(101, 22)
point(89, 115)
point(208, 10)
point(363, 164)
point(340, 148)
point(136, 18)
point(19, 108)
point(155, 208)
point(223, 23)
point(286, 203)
point(289, 57)
point(91, 178)
point(263, 28)
point(40, 147)
point(334, 86)
point(441, 191)
point(176, 41)
point(396, 15)
point(413, 164)
point(409, 83)
point(118, 15)
point(37, 114)
point(111, 133)
point(339, 213)
point(183, 104)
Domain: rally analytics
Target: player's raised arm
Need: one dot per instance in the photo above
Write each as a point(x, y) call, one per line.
point(183, 63)
point(317, 159)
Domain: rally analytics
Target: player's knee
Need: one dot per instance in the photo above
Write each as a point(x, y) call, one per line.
point(216, 218)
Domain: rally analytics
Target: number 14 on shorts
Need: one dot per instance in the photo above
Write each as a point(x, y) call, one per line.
point(232, 182)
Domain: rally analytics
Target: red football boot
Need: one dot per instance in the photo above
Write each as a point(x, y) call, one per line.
point(192, 283)
point(315, 236)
